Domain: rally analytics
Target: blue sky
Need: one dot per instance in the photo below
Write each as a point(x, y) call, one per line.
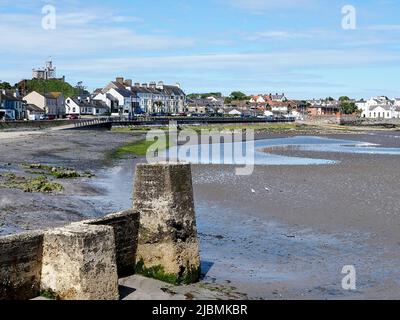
point(257, 46)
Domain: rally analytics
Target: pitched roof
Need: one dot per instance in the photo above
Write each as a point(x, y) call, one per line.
point(7, 97)
point(89, 104)
point(33, 108)
point(123, 92)
point(383, 106)
point(173, 90)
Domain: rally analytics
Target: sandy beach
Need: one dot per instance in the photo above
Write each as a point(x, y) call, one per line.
point(284, 232)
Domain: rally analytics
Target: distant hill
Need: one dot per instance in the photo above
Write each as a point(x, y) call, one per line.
point(52, 85)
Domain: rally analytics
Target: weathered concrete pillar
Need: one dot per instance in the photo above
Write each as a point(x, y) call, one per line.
point(126, 229)
point(79, 263)
point(168, 247)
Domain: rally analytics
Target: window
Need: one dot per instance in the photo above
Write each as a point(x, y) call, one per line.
point(73, 109)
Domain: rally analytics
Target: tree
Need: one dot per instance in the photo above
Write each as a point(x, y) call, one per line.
point(80, 88)
point(347, 107)
point(204, 95)
point(238, 95)
point(344, 98)
point(54, 85)
point(5, 85)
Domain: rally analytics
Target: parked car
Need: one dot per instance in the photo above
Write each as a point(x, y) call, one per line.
point(72, 117)
point(47, 117)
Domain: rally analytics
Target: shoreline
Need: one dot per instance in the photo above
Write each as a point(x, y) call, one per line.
point(289, 242)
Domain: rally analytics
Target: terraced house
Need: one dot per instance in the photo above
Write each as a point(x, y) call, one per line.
point(11, 106)
point(52, 103)
point(127, 99)
point(84, 105)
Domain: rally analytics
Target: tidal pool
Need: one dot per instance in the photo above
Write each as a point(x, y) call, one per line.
point(253, 152)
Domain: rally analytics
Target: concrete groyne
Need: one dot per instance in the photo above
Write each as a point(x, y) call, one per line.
point(83, 261)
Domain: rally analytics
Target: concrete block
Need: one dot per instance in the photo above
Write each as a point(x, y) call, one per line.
point(126, 229)
point(20, 266)
point(79, 263)
point(168, 247)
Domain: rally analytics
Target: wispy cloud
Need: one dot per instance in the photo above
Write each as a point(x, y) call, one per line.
point(265, 5)
point(384, 27)
point(78, 34)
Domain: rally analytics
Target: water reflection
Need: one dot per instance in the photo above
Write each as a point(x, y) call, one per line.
point(259, 151)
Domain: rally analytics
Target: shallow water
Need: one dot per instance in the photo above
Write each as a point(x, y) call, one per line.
point(252, 152)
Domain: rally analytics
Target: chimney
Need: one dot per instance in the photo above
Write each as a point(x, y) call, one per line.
point(128, 82)
point(120, 80)
point(160, 85)
point(144, 85)
point(137, 84)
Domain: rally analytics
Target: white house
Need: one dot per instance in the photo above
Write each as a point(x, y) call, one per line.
point(381, 111)
point(280, 109)
point(235, 113)
point(85, 106)
point(257, 99)
point(379, 108)
point(34, 112)
point(124, 98)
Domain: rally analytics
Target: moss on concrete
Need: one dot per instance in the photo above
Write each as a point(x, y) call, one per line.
point(156, 272)
point(48, 294)
point(190, 275)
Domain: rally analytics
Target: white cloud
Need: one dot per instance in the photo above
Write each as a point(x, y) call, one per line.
point(253, 62)
point(265, 5)
point(77, 34)
point(384, 27)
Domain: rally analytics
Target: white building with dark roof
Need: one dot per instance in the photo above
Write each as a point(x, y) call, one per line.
point(126, 98)
point(379, 108)
point(85, 106)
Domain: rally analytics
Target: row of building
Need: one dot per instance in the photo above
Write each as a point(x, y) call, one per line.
point(119, 98)
point(379, 108)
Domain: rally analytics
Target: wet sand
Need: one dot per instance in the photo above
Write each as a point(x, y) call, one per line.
point(289, 239)
point(80, 150)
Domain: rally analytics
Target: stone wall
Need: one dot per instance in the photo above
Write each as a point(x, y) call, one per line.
point(126, 229)
point(49, 260)
point(20, 266)
point(168, 248)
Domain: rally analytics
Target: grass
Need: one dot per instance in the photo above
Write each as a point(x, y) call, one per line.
point(38, 184)
point(129, 129)
point(137, 148)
